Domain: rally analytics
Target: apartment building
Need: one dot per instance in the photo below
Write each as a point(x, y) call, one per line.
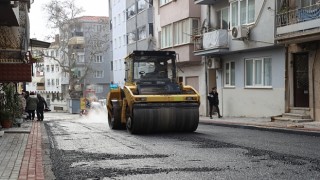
point(88, 45)
point(132, 29)
point(237, 41)
point(297, 28)
point(48, 77)
point(118, 18)
point(175, 22)
point(79, 61)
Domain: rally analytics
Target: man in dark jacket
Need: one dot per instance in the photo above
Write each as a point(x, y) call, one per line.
point(40, 107)
point(214, 101)
point(31, 104)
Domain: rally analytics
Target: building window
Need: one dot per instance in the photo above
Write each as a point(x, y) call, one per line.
point(98, 74)
point(98, 88)
point(131, 11)
point(305, 3)
point(258, 72)
point(80, 58)
point(131, 37)
point(166, 36)
point(183, 29)
point(223, 18)
point(57, 82)
point(242, 12)
point(111, 65)
point(52, 68)
point(98, 59)
point(57, 68)
point(142, 33)
point(48, 82)
point(48, 68)
point(163, 2)
point(230, 74)
point(141, 5)
point(52, 82)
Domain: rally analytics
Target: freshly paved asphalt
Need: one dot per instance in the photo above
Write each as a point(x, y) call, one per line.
point(23, 152)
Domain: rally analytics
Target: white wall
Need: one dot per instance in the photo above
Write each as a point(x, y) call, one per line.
point(240, 101)
point(197, 71)
point(119, 34)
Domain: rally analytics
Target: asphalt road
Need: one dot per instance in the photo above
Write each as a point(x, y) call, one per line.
point(85, 148)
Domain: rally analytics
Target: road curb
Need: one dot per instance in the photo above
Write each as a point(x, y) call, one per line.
point(17, 131)
point(300, 131)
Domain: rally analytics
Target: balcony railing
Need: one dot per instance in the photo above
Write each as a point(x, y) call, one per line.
point(298, 15)
point(205, 39)
point(76, 33)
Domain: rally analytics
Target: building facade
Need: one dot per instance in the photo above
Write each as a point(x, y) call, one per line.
point(236, 40)
point(89, 47)
point(297, 29)
point(175, 23)
point(119, 39)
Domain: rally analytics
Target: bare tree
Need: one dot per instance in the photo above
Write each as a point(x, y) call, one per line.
point(76, 34)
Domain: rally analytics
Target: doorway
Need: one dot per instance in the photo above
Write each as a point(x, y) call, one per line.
point(301, 80)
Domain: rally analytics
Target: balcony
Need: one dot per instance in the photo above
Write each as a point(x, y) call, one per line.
point(211, 42)
point(77, 40)
point(206, 2)
point(298, 25)
point(77, 33)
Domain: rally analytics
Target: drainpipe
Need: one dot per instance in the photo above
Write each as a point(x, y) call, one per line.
point(287, 95)
point(313, 86)
point(208, 15)
point(207, 82)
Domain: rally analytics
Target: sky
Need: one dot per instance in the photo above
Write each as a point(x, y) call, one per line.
point(39, 28)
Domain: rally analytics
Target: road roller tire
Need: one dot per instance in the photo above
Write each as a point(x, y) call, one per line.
point(154, 118)
point(114, 120)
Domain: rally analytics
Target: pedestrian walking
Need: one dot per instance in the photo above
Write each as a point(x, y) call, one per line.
point(214, 101)
point(40, 107)
point(32, 102)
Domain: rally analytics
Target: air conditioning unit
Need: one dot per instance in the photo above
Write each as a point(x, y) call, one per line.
point(214, 63)
point(240, 32)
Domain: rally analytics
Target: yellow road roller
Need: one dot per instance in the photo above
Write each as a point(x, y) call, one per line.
point(152, 99)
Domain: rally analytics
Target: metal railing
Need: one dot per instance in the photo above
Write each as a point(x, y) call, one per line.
point(298, 15)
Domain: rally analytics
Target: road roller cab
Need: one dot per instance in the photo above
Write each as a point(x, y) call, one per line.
point(152, 99)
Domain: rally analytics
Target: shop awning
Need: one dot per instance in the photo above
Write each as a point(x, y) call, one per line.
point(38, 79)
point(40, 44)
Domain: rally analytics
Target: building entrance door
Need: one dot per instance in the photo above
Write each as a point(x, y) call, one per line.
point(301, 80)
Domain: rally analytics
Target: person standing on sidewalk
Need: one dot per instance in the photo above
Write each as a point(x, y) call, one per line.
point(214, 101)
point(40, 107)
point(32, 102)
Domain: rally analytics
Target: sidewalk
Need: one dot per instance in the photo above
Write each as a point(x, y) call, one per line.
point(305, 128)
point(22, 150)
